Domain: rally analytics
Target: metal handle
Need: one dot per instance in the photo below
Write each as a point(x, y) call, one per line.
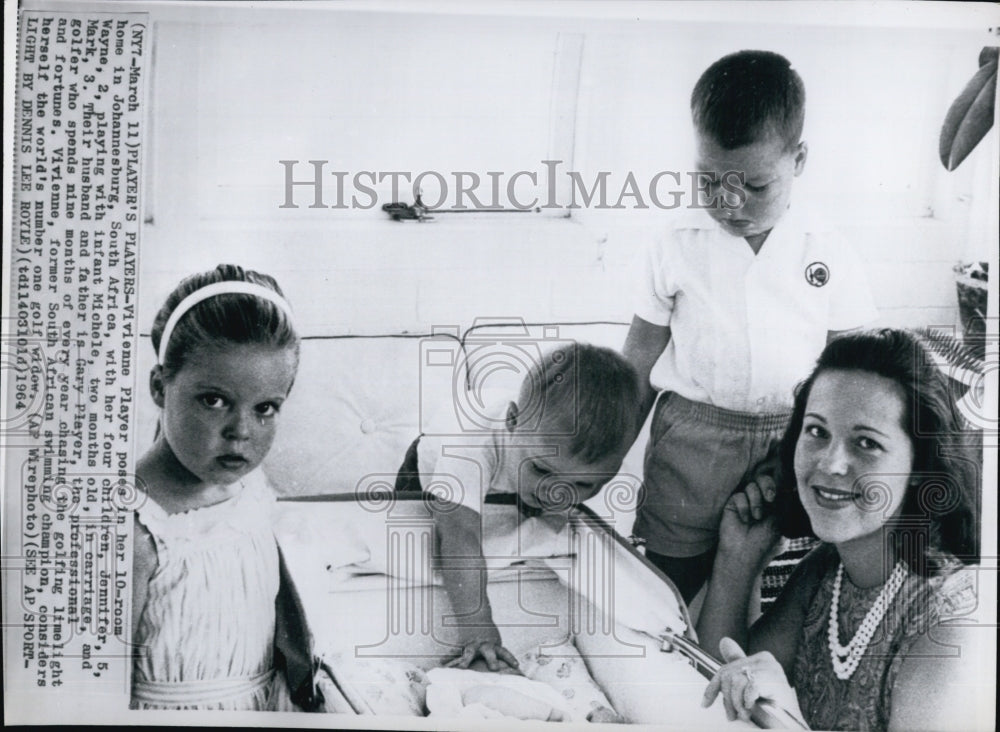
point(765, 714)
point(704, 662)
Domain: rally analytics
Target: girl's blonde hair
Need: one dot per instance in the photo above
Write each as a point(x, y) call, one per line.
point(235, 318)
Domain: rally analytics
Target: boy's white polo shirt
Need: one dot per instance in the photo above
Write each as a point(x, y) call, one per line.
point(463, 467)
point(746, 328)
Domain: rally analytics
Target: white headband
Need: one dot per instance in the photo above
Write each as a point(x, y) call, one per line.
point(227, 287)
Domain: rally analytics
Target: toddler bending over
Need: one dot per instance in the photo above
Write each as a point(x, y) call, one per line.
point(556, 445)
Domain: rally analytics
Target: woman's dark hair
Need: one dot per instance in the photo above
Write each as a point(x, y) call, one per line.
point(226, 318)
point(939, 514)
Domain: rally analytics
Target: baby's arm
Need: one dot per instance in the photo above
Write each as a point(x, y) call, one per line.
point(510, 703)
point(143, 566)
point(463, 570)
point(643, 346)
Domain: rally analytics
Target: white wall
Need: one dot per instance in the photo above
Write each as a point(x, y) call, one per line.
point(235, 91)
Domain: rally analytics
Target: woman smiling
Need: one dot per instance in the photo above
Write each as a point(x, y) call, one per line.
point(874, 464)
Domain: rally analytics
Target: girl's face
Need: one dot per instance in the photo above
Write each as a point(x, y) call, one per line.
point(220, 410)
point(853, 458)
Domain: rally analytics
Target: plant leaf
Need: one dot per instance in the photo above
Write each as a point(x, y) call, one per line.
point(970, 116)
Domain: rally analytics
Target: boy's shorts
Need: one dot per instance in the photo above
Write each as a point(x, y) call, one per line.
point(697, 456)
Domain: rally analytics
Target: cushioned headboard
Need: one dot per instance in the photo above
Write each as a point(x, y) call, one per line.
point(358, 401)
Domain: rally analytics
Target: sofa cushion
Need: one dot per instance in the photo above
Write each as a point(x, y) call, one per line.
point(359, 401)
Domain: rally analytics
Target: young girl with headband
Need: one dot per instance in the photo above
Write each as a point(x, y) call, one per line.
point(207, 569)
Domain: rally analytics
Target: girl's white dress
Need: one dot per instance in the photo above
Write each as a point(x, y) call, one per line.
point(206, 636)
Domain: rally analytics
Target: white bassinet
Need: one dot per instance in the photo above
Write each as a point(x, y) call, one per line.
point(363, 568)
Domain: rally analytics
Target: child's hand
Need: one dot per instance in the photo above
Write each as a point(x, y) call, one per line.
point(488, 649)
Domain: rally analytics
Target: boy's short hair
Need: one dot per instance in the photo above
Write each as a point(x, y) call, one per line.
point(747, 94)
point(593, 392)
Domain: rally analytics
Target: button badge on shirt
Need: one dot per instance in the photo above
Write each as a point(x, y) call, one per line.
point(817, 274)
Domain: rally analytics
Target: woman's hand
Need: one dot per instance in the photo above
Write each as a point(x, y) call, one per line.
point(743, 680)
point(759, 492)
point(748, 529)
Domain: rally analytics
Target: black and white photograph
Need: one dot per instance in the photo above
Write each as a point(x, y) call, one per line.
point(443, 365)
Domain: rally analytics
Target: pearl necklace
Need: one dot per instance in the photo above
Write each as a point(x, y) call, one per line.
point(846, 658)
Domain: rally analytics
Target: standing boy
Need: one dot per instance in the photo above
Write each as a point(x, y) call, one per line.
point(733, 312)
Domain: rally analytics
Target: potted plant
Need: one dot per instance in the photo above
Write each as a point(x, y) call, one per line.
point(968, 120)
point(971, 282)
